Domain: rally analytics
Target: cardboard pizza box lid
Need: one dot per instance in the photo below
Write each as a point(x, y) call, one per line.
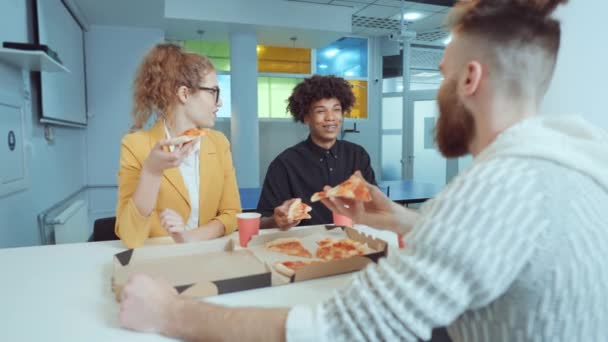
point(196, 269)
point(379, 249)
point(330, 268)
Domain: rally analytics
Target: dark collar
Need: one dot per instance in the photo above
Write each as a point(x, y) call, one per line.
point(320, 151)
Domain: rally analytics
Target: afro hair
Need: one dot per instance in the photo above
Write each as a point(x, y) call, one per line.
point(317, 88)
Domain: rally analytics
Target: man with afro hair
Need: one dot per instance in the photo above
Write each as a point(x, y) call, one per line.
point(320, 102)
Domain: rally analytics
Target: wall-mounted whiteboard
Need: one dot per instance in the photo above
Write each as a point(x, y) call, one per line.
point(63, 94)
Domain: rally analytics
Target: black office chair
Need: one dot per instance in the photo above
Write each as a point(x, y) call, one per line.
point(440, 335)
point(103, 229)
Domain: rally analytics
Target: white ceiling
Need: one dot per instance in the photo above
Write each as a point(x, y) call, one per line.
point(433, 16)
point(150, 13)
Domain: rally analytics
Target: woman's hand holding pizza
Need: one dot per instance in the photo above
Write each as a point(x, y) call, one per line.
point(159, 159)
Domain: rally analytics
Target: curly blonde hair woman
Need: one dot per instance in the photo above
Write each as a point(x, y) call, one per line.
point(187, 191)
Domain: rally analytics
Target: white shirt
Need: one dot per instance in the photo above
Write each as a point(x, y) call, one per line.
point(190, 170)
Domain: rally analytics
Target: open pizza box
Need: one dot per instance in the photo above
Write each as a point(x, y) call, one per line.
point(309, 236)
point(198, 269)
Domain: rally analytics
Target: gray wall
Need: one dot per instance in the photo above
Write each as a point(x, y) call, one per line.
point(113, 54)
point(55, 170)
point(244, 126)
point(276, 136)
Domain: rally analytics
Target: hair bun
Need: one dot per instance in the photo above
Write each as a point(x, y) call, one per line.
point(542, 8)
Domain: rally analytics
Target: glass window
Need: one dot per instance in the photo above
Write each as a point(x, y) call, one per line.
point(273, 93)
point(346, 57)
point(263, 97)
point(419, 80)
point(283, 59)
point(359, 111)
point(425, 79)
point(218, 52)
point(225, 110)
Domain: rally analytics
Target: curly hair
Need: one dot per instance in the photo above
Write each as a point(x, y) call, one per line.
point(317, 88)
point(164, 69)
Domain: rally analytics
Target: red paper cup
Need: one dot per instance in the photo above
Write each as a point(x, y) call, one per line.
point(249, 225)
point(401, 242)
point(341, 220)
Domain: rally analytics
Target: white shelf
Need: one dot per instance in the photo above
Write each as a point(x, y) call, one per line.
point(31, 60)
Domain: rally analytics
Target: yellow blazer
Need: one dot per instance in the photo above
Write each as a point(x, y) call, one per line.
point(218, 193)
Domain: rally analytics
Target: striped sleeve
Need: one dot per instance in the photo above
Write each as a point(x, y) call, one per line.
point(466, 250)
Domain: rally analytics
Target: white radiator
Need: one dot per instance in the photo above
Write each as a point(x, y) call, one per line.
point(71, 225)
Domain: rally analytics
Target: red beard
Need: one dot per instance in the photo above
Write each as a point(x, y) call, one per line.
point(455, 127)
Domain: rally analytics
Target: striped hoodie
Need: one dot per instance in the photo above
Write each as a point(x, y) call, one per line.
point(513, 249)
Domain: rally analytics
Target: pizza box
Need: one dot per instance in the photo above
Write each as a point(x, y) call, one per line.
point(199, 269)
point(377, 249)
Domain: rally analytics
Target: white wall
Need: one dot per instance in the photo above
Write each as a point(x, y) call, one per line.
point(579, 85)
point(113, 54)
point(55, 170)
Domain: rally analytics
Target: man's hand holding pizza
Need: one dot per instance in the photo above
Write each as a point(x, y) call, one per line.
point(281, 215)
point(375, 210)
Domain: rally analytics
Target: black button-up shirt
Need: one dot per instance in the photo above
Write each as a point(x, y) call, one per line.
point(303, 169)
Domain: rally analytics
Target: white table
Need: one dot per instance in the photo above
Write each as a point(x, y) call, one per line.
point(63, 293)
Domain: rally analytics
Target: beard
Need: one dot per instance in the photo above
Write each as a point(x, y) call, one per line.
point(455, 127)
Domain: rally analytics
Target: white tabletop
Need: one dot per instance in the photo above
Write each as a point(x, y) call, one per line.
point(63, 293)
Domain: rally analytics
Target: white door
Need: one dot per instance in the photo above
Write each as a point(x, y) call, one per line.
point(424, 162)
point(408, 140)
point(408, 145)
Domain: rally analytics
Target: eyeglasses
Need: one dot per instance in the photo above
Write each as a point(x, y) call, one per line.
point(214, 90)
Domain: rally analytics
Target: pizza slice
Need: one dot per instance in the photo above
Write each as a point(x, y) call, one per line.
point(354, 188)
point(339, 249)
point(186, 136)
point(298, 211)
point(289, 268)
point(289, 246)
point(326, 241)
